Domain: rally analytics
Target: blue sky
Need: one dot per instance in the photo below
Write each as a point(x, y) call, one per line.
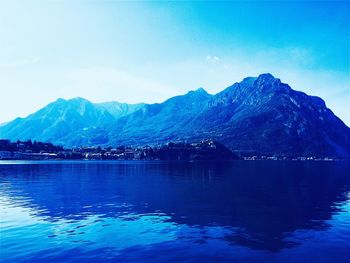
point(149, 51)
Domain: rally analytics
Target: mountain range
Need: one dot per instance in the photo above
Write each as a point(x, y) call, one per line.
point(259, 115)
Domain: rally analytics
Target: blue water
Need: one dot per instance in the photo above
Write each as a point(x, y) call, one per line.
point(240, 211)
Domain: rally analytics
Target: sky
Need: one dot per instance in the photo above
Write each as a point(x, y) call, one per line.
point(149, 51)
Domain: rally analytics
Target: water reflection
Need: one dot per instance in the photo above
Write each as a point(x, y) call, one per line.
point(110, 209)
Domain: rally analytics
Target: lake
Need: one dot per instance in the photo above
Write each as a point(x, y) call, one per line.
point(149, 211)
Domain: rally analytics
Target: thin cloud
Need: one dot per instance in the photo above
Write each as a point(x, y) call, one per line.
point(211, 58)
point(103, 84)
point(23, 62)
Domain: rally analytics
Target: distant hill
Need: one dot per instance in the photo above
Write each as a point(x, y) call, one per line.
point(259, 115)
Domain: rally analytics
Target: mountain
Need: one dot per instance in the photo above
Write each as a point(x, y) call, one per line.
point(117, 109)
point(259, 115)
point(67, 122)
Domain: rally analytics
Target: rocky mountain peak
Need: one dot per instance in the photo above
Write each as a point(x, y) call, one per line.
point(259, 115)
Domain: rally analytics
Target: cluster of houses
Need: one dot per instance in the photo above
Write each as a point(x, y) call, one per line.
point(203, 150)
point(29, 150)
point(109, 153)
point(284, 158)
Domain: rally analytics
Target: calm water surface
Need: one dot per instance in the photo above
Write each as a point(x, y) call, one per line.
point(239, 211)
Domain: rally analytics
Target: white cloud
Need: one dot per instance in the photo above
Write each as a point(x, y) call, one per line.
point(211, 58)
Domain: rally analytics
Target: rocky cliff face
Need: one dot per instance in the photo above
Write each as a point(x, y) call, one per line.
point(266, 116)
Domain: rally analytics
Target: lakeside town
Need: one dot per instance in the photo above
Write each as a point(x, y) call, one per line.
point(203, 150)
point(28, 150)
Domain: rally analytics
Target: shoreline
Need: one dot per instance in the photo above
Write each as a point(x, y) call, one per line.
point(2, 161)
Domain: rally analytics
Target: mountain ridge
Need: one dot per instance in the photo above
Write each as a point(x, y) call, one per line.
point(259, 115)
